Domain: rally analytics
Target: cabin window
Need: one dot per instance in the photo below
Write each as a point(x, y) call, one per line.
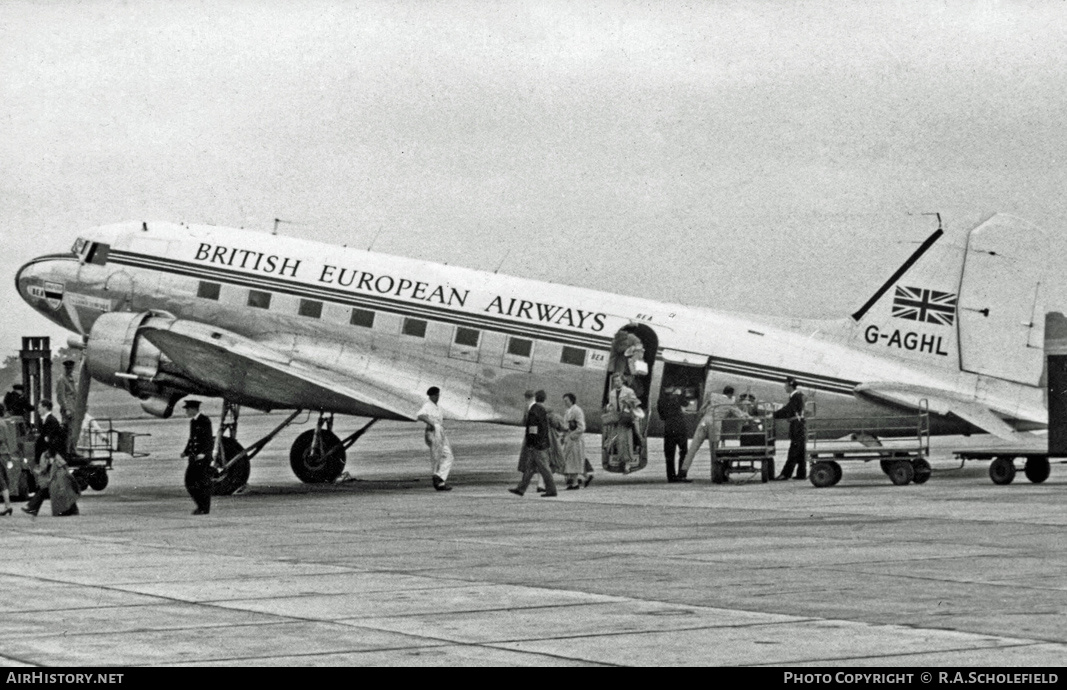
point(259, 299)
point(573, 355)
point(520, 347)
point(362, 317)
point(208, 290)
point(415, 327)
point(467, 336)
point(311, 308)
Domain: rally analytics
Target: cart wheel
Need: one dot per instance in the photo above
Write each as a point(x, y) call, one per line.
point(1002, 469)
point(718, 472)
point(836, 467)
point(821, 474)
point(922, 471)
point(98, 480)
point(1036, 469)
point(81, 479)
point(901, 472)
point(766, 470)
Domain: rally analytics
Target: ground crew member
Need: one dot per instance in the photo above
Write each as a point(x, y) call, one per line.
point(798, 435)
point(198, 451)
point(67, 398)
point(675, 435)
point(716, 408)
point(440, 449)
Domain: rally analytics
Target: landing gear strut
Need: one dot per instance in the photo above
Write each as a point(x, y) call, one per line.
point(230, 463)
point(317, 456)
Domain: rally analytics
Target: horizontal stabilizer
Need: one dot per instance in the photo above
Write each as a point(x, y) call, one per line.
point(252, 373)
point(943, 403)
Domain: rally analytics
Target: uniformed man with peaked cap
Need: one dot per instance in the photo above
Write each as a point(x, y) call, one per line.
point(198, 451)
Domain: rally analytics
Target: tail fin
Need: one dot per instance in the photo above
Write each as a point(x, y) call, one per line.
point(972, 306)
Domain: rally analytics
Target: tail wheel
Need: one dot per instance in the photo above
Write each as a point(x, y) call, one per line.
point(922, 471)
point(901, 472)
point(310, 465)
point(236, 476)
point(822, 474)
point(1036, 469)
point(1002, 470)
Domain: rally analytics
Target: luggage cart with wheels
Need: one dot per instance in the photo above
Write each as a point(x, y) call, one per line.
point(95, 451)
point(748, 450)
point(903, 456)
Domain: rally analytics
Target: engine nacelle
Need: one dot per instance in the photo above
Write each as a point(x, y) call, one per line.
point(118, 355)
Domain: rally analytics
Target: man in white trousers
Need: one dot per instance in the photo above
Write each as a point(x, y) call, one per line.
point(440, 449)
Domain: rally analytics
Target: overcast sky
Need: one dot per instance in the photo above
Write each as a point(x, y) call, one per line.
point(751, 156)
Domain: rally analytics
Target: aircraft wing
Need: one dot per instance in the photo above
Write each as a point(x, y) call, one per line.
point(943, 403)
point(248, 372)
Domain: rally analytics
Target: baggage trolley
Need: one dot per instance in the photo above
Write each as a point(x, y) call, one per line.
point(749, 450)
point(902, 456)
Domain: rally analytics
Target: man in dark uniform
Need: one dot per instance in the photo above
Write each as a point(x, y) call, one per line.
point(798, 434)
point(675, 435)
point(67, 397)
point(198, 451)
point(537, 431)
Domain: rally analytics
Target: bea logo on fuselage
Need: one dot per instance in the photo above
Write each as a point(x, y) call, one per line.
point(905, 340)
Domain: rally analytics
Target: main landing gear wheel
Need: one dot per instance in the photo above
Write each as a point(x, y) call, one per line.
point(1002, 470)
point(901, 472)
point(236, 476)
point(1036, 469)
point(822, 474)
point(922, 471)
point(311, 465)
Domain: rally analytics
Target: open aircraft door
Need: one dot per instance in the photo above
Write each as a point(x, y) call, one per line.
point(625, 426)
point(687, 372)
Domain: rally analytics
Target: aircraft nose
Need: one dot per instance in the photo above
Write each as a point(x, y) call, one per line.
point(39, 283)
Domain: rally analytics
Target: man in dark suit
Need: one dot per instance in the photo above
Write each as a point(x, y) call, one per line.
point(198, 451)
point(537, 443)
point(798, 432)
point(51, 444)
point(675, 435)
point(52, 436)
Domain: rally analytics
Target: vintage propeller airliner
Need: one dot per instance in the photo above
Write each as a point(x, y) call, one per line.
point(165, 310)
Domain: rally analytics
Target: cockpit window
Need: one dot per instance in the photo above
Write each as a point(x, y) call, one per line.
point(97, 253)
point(91, 252)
